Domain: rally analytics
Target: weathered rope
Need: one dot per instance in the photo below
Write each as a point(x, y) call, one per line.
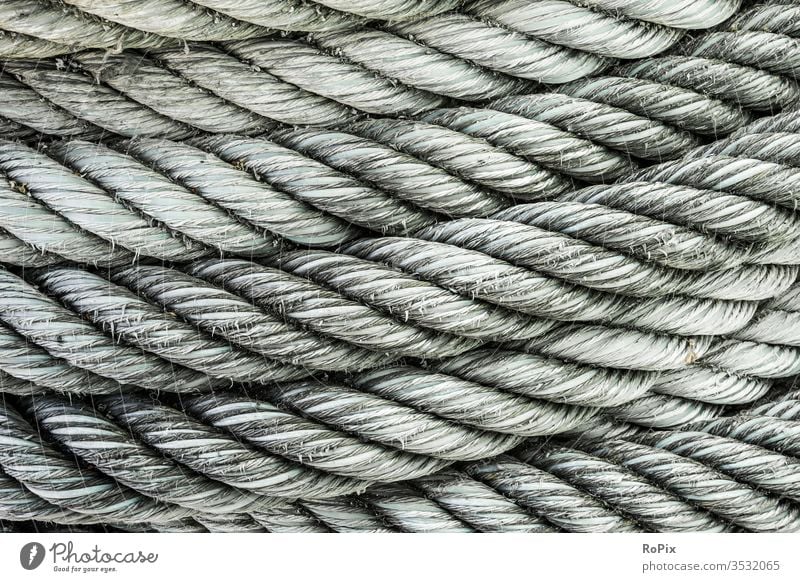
point(556, 342)
point(701, 478)
point(360, 323)
point(199, 202)
point(256, 295)
point(54, 102)
point(561, 343)
point(652, 483)
point(309, 86)
point(48, 28)
point(35, 29)
point(453, 407)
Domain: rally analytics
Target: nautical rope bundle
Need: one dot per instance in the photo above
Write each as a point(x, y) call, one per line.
point(242, 87)
point(37, 28)
point(704, 477)
point(368, 275)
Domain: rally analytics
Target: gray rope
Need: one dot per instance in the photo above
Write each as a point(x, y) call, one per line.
point(20, 504)
point(666, 244)
point(432, 166)
point(48, 29)
point(139, 323)
point(291, 519)
point(317, 72)
point(23, 106)
point(54, 477)
point(220, 456)
point(752, 88)
point(416, 65)
point(26, 362)
point(79, 96)
point(613, 127)
point(229, 85)
point(127, 105)
point(171, 18)
point(163, 210)
point(566, 258)
point(634, 484)
point(111, 450)
point(156, 242)
point(629, 493)
point(547, 496)
point(654, 302)
point(88, 295)
point(411, 512)
point(295, 82)
point(478, 505)
point(673, 106)
point(681, 14)
point(662, 411)
point(736, 502)
point(342, 517)
point(589, 344)
point(305, 302)
point(741, 176)
point(656, 489)
point(126, 21)
point(66, 336)
point(731, 214)
point(762, 50)
point(494, 47)
point(310, 442)
point(589, 30)
point(750, 370)
point(779, 17)
point(531, 496)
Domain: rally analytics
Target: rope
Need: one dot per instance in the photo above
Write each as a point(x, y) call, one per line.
point(617, 485)
point(412, 419)
point(296, 82)
point(372, 277)
point(598, 346)
point(261, 294)
point(689, 480)
point(198, 201)
point(36, 29)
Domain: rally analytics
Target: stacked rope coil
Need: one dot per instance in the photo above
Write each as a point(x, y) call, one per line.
point(146, 96)
point(703, 477)
point(427, 336)
point(38, 28)
point(367, 275)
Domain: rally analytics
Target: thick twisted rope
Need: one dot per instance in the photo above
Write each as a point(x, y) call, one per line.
point(471, 289)
point(112, 308)
point(126, 106)
point(36, 29)
point(747, 520)
point(20, 173)
point(658, 486)
point(353, 83)
point(565, 350)
point(440, 403)
point(661, 324)
point(616, 485)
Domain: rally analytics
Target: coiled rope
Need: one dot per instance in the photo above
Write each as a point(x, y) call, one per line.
point(417, 285)
point(35, 29)
point(699, 478)
point(251, 83)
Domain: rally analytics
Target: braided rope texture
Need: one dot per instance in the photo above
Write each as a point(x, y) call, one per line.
point(399, 266)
